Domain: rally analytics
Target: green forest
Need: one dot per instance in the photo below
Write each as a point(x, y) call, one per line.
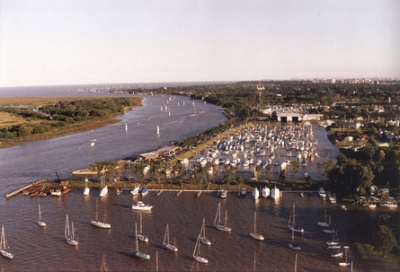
point(62, 114)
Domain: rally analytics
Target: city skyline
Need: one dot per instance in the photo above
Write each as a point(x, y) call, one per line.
point(104, 42)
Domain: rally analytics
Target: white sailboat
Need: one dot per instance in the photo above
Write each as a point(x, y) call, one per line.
point(4, 247)
point(141, 236)
point(86, 191)
point(217, 221)
point(166, 242)
point(255, 193)
point(126, 127)
point(254, 234)
point(40, 220)
point(345, 263)
point(332, 230)
point(158, 130)
point(135, 191)
point(196, 252)
point(203, 238)
point(292, 221)
point(69, 233)
point(334, 241)
point(265, 192)
point(100, 224)
point(275, 193)
point(104, 188)
point(293, 245)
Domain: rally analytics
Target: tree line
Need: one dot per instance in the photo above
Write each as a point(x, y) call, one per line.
point(64, 113)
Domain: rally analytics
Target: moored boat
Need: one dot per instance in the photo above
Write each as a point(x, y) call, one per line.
point(292, 221)
point(275, 193)
point(135, 191)
point(141, 206)
point(218, 223)
point(166, 242)
point(137, 253)
point(4, 247)
point(255, 193)
point(40, 221)
point(265, 192)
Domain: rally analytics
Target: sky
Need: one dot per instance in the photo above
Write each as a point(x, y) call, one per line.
point(63, 42)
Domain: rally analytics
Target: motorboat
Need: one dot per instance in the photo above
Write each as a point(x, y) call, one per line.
point(141, 206)
point(144, 191)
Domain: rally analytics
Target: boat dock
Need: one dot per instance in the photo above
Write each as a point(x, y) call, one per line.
point(37, 188)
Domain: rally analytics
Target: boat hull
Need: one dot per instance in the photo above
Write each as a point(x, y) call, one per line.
point(99, 224)
point(294, 246)
point(72, 242)
point(170, 247)
point(223, 228)
point(200, 259)
point(140, 255)
point(205, 241)
point(6, 254)
point(257, 236)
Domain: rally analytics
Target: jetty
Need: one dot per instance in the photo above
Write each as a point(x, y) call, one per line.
point(41, 188)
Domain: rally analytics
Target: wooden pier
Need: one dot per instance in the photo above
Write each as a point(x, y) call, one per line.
point(19, 190)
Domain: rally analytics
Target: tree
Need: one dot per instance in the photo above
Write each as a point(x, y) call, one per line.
point(383, 239)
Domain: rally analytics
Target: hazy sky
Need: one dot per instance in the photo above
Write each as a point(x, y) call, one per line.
point(51, 42)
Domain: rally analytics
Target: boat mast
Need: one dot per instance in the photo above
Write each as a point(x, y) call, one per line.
point(136, 240)
point(140, 230)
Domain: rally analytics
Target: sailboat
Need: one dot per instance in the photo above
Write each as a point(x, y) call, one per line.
point(275, 193)
point(345, 263)
point(40, 221)
point(254, 234)
point(217, 222)
point(334, 241)
point(203, 238)
point(196, 252)
point(255, 193)
point(97, 222)
point(4, 248)
point(126, 127)
point(69, 233)
point(86, 191)
point(292, 221)
point(158, 130)
point(166, 243)
point(137, 253)
point(104, 189)
point(332, 230)
point(293, 245)
point(142, 237)
point(324, 223)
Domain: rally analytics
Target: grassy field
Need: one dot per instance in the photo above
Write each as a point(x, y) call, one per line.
point(375, 259)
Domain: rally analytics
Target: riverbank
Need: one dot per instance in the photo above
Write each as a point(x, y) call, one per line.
point(9, 119)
